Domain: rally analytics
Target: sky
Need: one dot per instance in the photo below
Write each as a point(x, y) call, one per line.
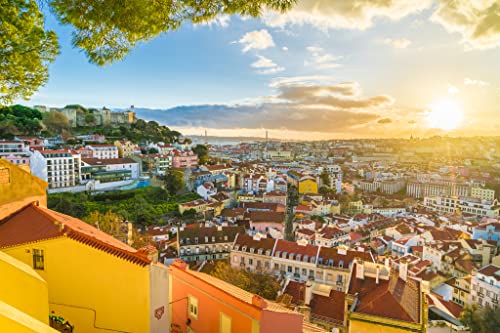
point(326, 69)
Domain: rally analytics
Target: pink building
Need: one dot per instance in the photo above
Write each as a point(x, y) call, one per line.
point(184, 159)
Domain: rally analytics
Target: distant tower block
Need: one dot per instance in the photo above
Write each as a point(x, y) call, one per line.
point(206, 137)
point(267, 136)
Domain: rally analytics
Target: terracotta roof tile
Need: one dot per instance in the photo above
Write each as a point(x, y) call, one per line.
point(33, 223)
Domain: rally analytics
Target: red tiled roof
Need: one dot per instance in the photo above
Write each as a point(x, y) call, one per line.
point(393, 298)
point(260, 216)
point(329, 308)
point(248, 241)
point(33, 223)
point(284, 246)
point(108, 161)
point(328, 253)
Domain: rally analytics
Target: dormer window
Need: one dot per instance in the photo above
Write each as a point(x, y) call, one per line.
point(196, 240)
point(225, 237)
point(291, 256)
point(278, 253)
point(284, 255)
point(213, 239)
point(341, 264)
point(259, 251)
point(268, 252)
point(206, 239)
point(320, 261)
point(252, 250)
point(313, 259)
point(306, 257)
point(188, 240)
point(244, 248)
point(298, 257)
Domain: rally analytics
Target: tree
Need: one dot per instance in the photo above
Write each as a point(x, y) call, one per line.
point(202, 152)
point(174, 181)
point(26, 49)
point(259, 283)
point(106, 31)
point(485, 320)
point(56, 122)
point(114, 225)
point(325, 178)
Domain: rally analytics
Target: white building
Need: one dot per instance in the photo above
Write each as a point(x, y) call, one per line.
point(482, 193)
point(109, 170)
point(474, 206)
point(104, 151)
point(60, 168)
point(485, 287)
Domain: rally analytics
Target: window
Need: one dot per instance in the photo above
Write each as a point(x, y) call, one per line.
point(225, 323)
point(38, 259)
point(193, 307)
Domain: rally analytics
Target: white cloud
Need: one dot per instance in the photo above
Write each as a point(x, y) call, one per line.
point(266, 66)
point(350, 14)
point(478, 21)
point(221, 21)
point(473, 82)
point(320, 59)
point(284, 48)
point(258, 39)
point(398, 43)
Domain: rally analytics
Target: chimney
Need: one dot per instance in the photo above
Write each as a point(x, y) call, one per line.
point(259, 302)
point(387, 263)
point(403, 269)
point(308, 292)
point(378, 274)
point(360, 269)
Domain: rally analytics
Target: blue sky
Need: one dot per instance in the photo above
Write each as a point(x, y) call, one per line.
point(404, 53)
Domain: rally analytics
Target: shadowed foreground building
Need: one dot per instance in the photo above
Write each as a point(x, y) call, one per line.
point(92, 280)
point(203, 304)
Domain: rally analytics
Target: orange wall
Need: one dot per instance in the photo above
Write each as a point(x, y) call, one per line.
point(212, 301)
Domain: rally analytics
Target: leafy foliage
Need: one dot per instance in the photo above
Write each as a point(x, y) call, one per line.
point(106, 31)
point(485, 320)
point(202, 152)
point(113, 224)
point(174, 181)
point(145, 206)
point(18, 119)
point(26, 49)
point(141, 132)
point(56, 122)
point(259, 283)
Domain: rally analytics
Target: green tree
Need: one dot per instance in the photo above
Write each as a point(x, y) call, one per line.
point(325, 178)
point(174, 181)
point(56, 122)
point(106, 31)
point(26, 49)
point(259, 283)
point(202, 152)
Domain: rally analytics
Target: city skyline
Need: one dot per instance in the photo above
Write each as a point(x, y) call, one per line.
point(380, 70)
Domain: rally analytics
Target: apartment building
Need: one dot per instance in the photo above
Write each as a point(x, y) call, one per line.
point(418, 189)
point(384, 186)
point(60, 168)
point(473, 206)
point(485, 287)
point(200, 242)
point(299, 261)
point(482, 193)
point(104, 151)
point(15, 152)
point(184, 159)
point(109, 170)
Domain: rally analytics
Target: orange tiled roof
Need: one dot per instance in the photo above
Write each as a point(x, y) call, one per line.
point(33, 223)
point(393, 298)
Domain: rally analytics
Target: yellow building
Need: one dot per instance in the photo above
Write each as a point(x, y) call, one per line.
point(18, 188)
point(308, 184)
point(24, 303)
point(125, 148)
point(94, 281)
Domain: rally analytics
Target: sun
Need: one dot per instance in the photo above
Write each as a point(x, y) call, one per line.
point(445, 114)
